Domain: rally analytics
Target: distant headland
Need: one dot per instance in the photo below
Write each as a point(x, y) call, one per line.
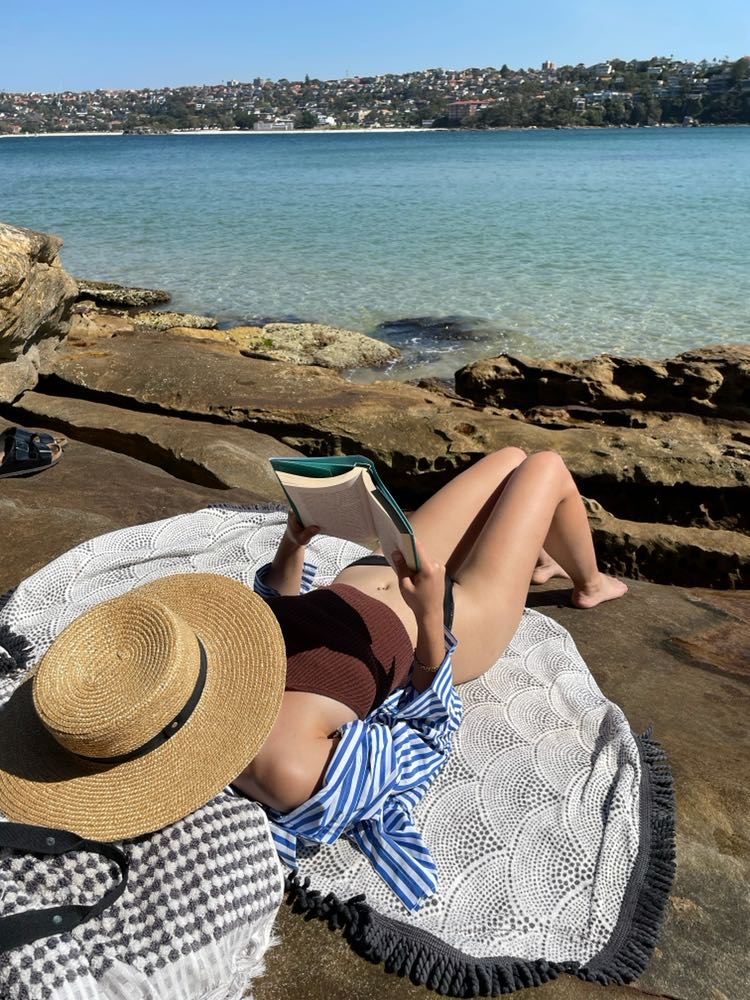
point(615, 92)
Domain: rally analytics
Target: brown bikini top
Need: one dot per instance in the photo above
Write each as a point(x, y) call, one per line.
point(343, 644)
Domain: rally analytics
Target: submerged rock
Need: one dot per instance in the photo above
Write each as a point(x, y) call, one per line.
point(433, 328)
point(108, 293)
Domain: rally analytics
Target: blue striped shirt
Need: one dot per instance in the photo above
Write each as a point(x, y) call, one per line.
point(381, 769)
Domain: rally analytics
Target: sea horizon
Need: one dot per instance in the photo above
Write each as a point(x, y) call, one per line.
point(548, 242)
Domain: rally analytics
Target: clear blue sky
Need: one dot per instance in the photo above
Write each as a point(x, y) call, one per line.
point(81, 44)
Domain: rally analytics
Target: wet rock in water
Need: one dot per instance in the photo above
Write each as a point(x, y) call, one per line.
point(167, 320)
point(36, 296)
point(109, 293)
point(267, 320)
point(710, 381)
point(315, 344)
point(438, 328)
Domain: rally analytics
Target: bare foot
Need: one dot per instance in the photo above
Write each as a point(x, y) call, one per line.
point(546, 568)
point(605, 588)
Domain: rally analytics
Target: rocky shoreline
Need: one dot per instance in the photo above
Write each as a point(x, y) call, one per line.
point(169, 415)
point(660, 449)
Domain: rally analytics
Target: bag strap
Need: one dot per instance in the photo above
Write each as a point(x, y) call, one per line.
point(18, 929)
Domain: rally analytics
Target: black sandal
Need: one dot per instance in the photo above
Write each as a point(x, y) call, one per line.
point(26, 452)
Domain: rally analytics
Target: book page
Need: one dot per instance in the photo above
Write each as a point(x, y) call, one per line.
point(336, 504)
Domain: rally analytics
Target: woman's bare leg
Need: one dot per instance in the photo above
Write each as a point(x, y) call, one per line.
point(540, 502)
point(546, 568)
point(448, 525)
point(449, 522)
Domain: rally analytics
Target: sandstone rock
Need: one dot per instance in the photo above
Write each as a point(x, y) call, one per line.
point(711, 381)
point(17, 376)
point(35, 291)
point(167, 320)
point(238, 336)
point(299, 344)
point(420, 435)
point(94, 324)
point(680, 471)
point(209, 454)
point(669, 553)
point(108, 293)
point(90, 491)
point(315, 344)
point(35, 299)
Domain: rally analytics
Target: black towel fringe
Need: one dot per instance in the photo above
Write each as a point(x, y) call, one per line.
point(409, 952)
point(426, 961)
point(15, 650)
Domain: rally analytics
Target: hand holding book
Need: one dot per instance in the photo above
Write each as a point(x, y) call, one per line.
point(296, 531)
point(422, 590)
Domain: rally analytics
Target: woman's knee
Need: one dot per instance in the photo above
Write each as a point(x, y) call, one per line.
point(505, 458)
point(550, 464)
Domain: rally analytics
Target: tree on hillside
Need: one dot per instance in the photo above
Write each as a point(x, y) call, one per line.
point(615, 112)
point(646, 110)
point(244, 119)
point(305, 119)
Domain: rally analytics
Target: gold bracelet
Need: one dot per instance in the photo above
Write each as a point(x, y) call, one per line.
point(423, 666)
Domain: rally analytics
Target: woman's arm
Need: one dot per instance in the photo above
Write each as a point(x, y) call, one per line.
point(285, 573)
point(423, 591)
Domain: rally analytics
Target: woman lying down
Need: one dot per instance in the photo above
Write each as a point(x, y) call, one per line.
point(334, 707)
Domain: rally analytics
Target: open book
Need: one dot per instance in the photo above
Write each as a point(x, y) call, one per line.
point(345, 497)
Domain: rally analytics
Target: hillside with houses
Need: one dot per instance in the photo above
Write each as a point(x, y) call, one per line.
point(661, 90)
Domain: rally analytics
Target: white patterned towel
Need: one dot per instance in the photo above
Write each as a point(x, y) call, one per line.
point(552, 825)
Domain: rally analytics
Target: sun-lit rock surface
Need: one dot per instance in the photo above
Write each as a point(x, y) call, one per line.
point(710, 381)
point(36, 294)
point(669, 489)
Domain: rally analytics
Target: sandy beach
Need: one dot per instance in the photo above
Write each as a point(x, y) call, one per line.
point(234, 131)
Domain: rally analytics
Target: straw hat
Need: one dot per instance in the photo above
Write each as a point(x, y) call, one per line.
point(143, 708)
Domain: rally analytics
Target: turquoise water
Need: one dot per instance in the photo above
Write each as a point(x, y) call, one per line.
point(554, 243)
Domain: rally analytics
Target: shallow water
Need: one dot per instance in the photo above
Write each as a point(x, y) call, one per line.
point(551, 243)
